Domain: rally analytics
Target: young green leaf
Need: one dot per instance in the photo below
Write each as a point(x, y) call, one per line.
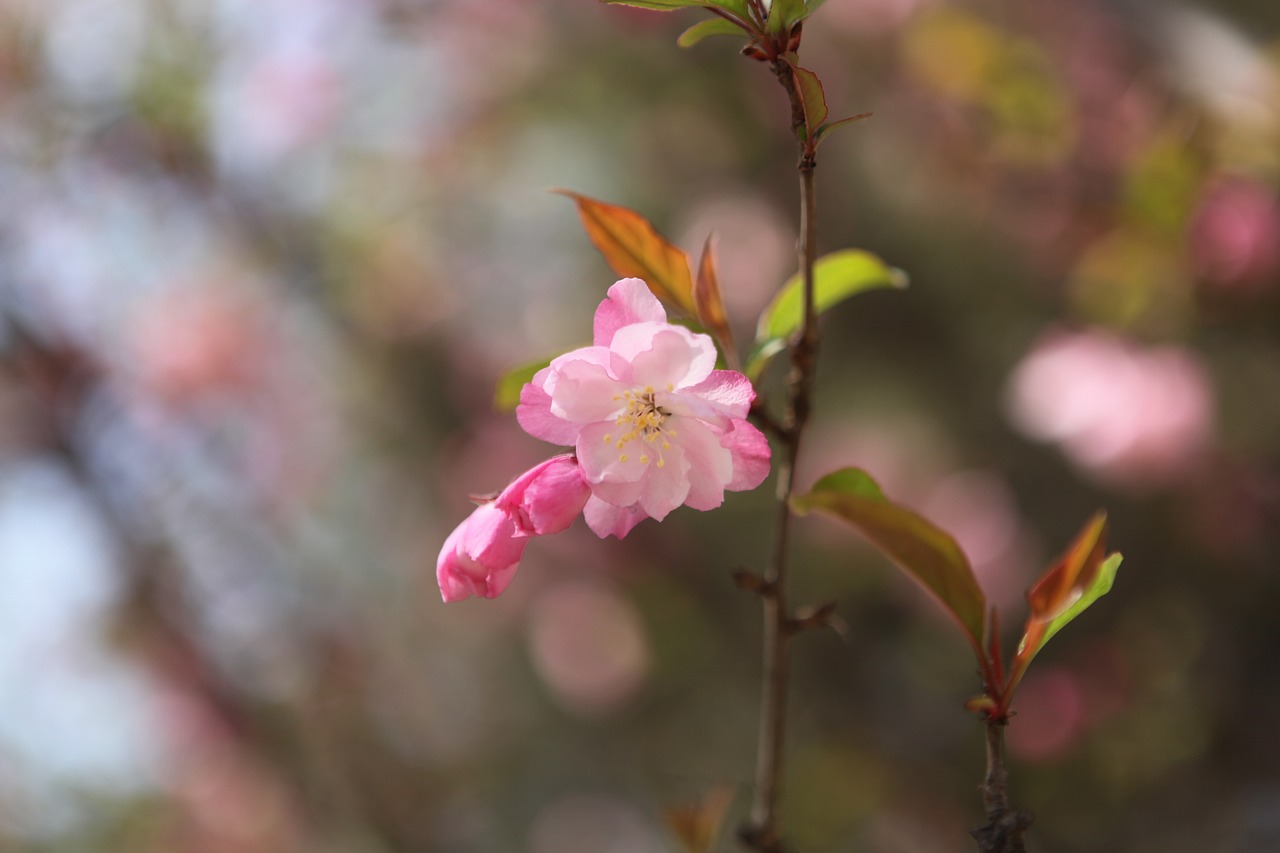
point(738, 7)
point(830, 126)
point(762, 352)
point(836, 277)
point(851, 481)
point(710, 306)
point(506, 395)
point(1100, 586)
point(1080, 577)
point(659, 5)
point(929, 555)
point(784, 14)
point(709, 27)
point(1064, 583)
point(633, 247)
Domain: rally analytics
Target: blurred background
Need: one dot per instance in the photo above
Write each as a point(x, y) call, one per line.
point(261, 264)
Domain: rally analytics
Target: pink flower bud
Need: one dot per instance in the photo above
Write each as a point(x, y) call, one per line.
point(480, 556)
point(546, 498)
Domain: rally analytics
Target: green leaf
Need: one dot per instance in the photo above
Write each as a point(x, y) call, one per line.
point(830, 126)
point(658, 5)
point(813, 99)
point(928, 554)
point(853, 481)
point(709, 27)
point(784, 14)
point(836, 277)
point(506, 395)
point(738, 7)
point(762, 352)
point(1080, 577)
point(1101, 586)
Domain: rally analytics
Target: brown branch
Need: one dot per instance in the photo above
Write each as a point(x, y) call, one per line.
point(763, 833)
point(1005, 826)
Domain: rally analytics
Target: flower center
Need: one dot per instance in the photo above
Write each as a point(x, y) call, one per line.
point(644, 420)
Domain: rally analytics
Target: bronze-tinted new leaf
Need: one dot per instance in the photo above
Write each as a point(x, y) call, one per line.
point(1064, 583)
point(812, 98)
point(1080, 577)
point(634, 248)
point(698, 827)
point(710, 306)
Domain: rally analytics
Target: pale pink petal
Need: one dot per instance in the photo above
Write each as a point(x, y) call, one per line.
point(665, 487)
point(629, 301)
point(609, 520)
point(480, 556)
point(546, 498)
point(725, 393)
point(535, 417)
point(614, 474)
point(665, 356)
point(751, 454)
point(583, 387)
point(710, 465)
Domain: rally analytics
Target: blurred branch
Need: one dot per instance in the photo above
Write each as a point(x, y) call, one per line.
point(1005, 826)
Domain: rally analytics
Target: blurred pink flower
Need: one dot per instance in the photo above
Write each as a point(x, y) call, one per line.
point(483, 552)
point(1235, 234)
point(1129, 415)
point(654, 424)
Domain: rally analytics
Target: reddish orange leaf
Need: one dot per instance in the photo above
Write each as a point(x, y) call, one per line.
point(634, 248)
point(699, 826)
point(1077, 579)
point(1066, 581)
point(710, 306)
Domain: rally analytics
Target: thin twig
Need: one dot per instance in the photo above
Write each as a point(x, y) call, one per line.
point(763, 833)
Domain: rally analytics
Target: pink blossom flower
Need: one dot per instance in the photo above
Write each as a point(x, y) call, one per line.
point(1130, 415)
point(483, 552)
point(653, 423)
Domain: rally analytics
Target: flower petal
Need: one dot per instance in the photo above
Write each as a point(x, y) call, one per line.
point(665, 487)
point(725, 393)
point(629, 301)
point(584, 385)
point(608, 520)
point(535, 417)
point(614, 474)
point(710, 464)
point(663, 355)
point(751, 455)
